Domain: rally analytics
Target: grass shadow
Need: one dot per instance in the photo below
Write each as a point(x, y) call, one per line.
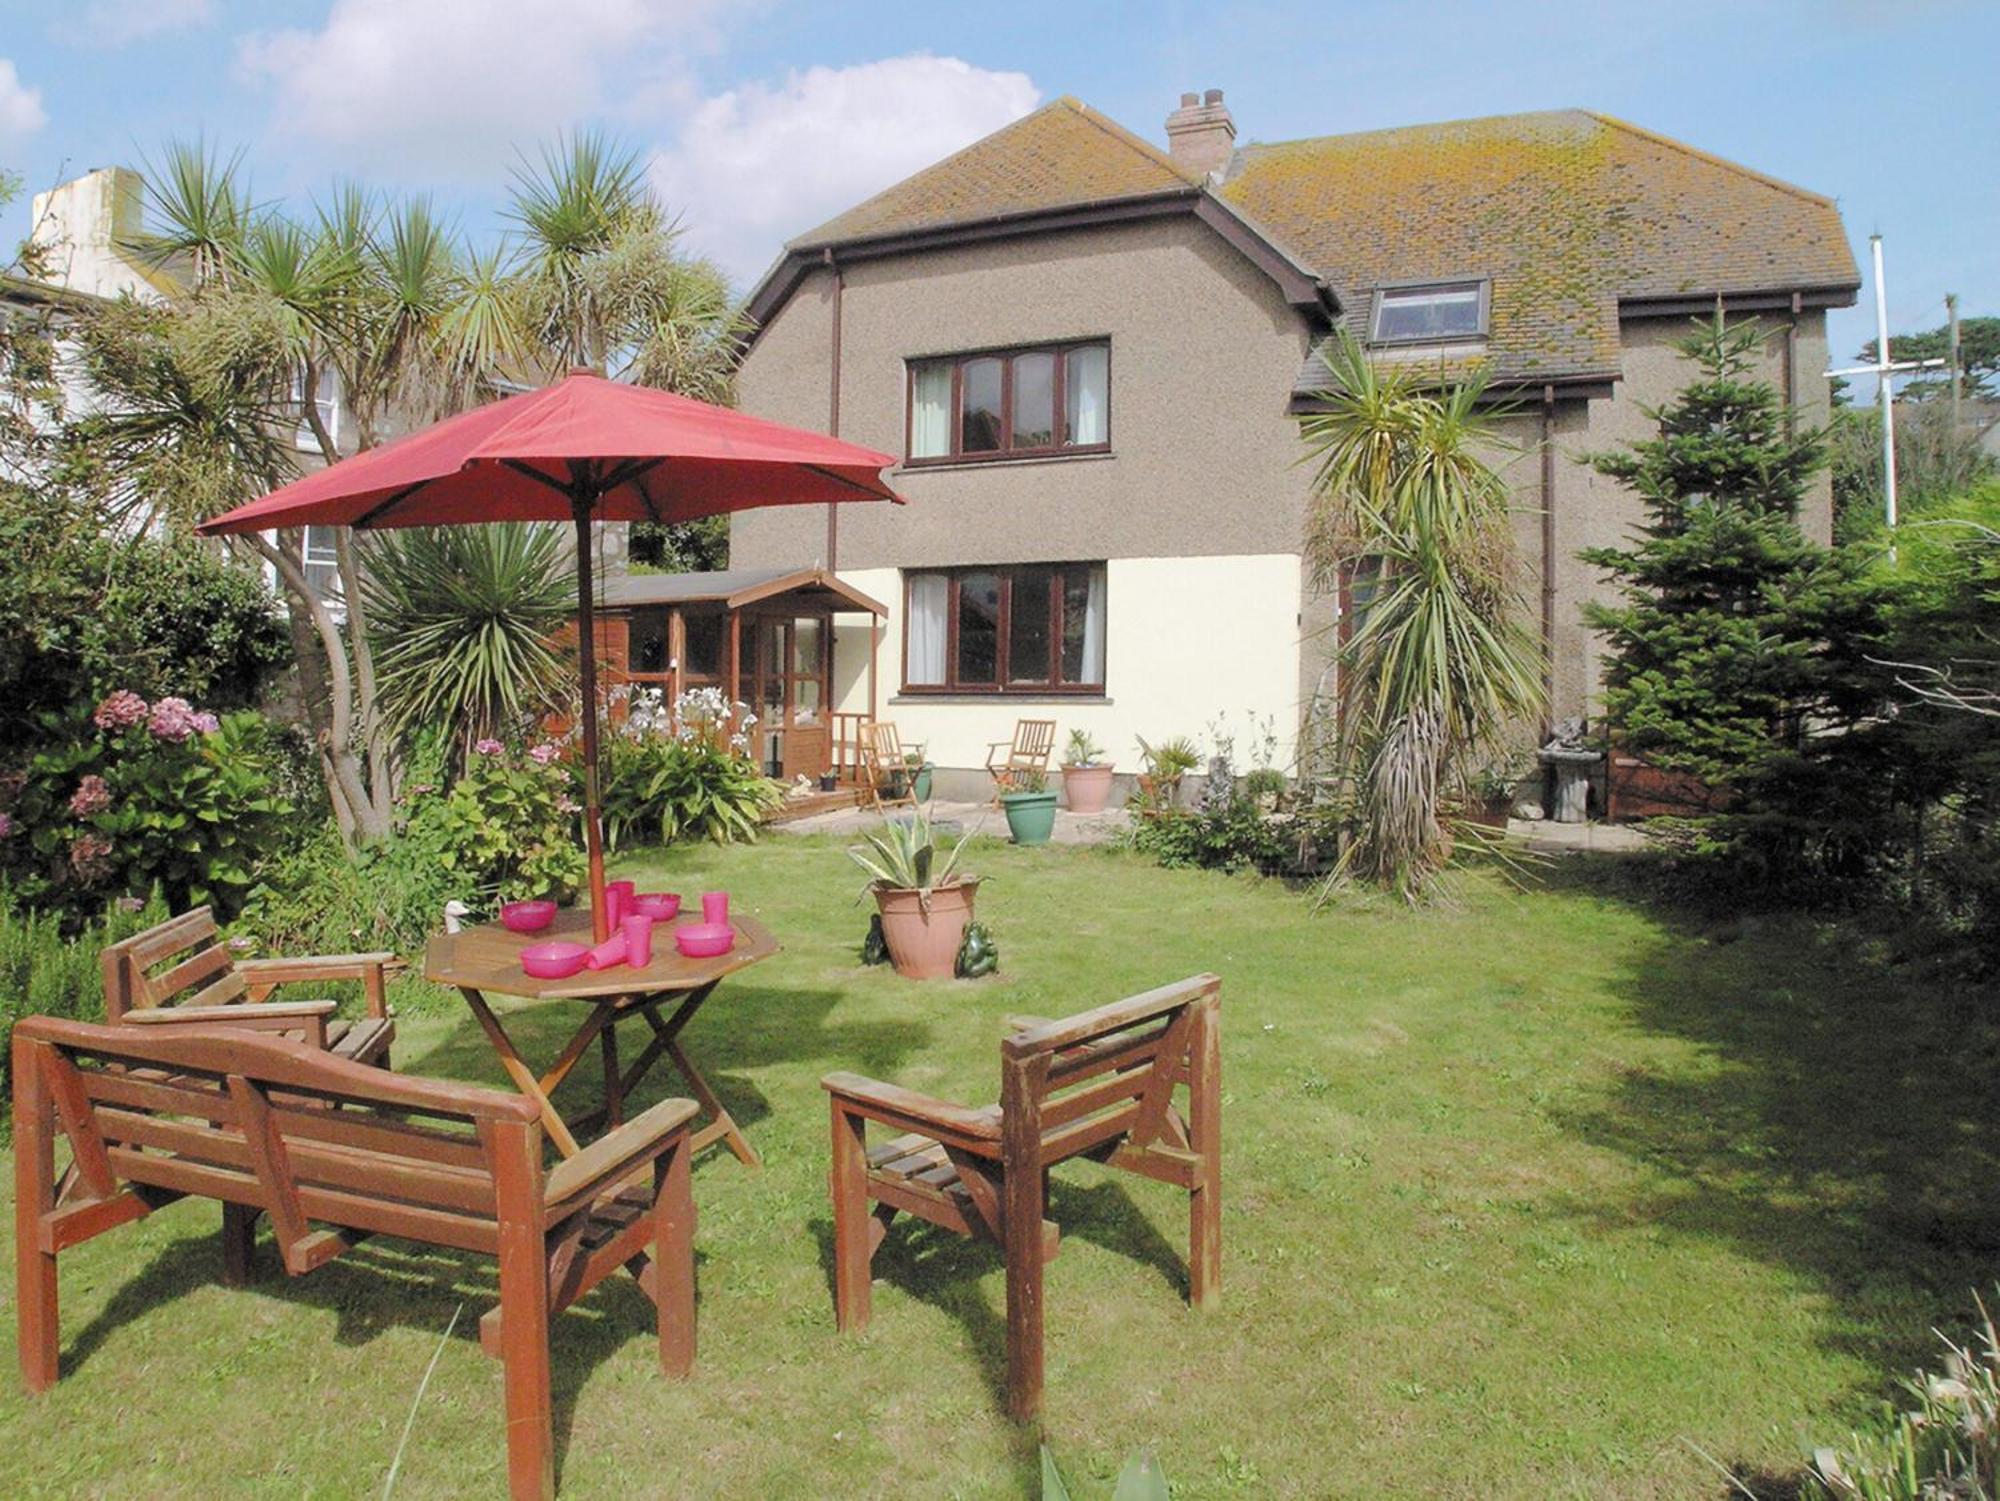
point(384, 1284)
point(1836, 1115)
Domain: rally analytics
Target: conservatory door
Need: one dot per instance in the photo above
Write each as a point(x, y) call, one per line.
point(786, 689)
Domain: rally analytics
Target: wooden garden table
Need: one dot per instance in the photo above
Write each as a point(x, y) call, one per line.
point(488, 958)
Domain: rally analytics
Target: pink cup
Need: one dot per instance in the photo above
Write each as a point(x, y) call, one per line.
point(638, 931)
point(607, 953)
point(618, 900)
point(715, 907)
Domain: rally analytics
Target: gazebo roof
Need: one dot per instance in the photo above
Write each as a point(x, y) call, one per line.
point(736, 587)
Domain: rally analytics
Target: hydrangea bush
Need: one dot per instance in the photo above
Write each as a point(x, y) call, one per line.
point(127, 796)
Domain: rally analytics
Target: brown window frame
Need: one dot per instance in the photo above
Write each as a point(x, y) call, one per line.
point(1007, 355)
point(1003, 628)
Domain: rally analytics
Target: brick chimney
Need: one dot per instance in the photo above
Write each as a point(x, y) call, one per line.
point(1200, 134)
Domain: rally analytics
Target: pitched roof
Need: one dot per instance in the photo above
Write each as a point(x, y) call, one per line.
point(1062, 155)
point(1567, 212)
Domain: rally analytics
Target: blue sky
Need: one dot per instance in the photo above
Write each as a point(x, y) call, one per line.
point(762, 117)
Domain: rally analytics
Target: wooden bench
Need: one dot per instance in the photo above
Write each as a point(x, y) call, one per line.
point(1098, 1085)
point(155, 1115)
point(181, 972)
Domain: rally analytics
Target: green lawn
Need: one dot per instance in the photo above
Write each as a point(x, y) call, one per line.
point(1524, 1199)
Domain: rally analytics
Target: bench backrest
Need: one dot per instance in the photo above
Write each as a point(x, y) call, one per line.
point(249, 1120)
point(1069, 1086)
point(181, 959)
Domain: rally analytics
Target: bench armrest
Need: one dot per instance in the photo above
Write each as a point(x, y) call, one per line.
point(372, 969)
point(575, 1182)
point(892, 1105)
point(270, 1016)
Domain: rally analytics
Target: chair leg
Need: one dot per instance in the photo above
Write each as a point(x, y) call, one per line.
point(239, 1239)
point(524, 1316)
point(673, 1258)
point(1024, 1251)
point(39, 1333)
point(852, 1239)
point(1205, 1137)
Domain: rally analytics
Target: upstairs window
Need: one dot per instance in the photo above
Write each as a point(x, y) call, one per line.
point(1018, 403)
point(322, 560)
point(326, 400)
point(1417, 315)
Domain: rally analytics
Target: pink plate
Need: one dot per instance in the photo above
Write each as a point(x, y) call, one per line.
point(553, 961)
point(661, 906)
point(527, 917)
point(704, 940)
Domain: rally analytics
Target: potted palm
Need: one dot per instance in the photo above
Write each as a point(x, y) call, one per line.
point(1086, 779)
point(1165, 765)
point(1030, 808)
point(924, 902)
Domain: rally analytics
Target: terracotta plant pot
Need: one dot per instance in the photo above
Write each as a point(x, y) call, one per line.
point(1088, 788)
point(923, 945)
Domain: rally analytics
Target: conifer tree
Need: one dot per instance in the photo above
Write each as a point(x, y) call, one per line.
point(1738, 649)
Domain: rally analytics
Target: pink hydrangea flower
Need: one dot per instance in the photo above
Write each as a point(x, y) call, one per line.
point(6, 825)
point(91, 796)
point(567, 804)
point(90, 857)
point(544, 753)
point(120, 711)
point(206, 723)
point(173, 719)
point(488, 747)
point(131, 904)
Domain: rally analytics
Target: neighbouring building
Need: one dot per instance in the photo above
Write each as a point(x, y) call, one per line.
point(1089, 354)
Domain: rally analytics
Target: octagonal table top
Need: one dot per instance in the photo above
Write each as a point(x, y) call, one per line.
point(488, 958)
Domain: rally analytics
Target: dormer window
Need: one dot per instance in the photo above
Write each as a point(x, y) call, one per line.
point(1430, 313)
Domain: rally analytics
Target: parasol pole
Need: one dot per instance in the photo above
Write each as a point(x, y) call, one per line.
point(586, 638)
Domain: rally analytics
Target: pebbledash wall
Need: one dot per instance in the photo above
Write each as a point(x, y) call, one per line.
point(1198, 509)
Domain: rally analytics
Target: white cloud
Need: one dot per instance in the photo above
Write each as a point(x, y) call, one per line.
point(117, 23)
point(761, 163)
point(21, 112)
point(431, 87)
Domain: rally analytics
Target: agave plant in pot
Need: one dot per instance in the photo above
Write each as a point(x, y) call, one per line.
point(1086, 778)
point(924, 901)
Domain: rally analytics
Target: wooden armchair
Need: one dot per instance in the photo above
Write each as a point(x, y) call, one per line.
point(156, 1114)
point(180, 973)
point(1098, 1085)
point(1017, 764)
point(882, 764)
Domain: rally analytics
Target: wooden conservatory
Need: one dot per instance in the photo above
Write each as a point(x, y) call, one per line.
point(764, 636)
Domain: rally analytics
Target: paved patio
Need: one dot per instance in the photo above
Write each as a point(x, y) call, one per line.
point(1543, 835)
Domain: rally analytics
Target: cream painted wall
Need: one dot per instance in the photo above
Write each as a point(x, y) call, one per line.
point(1187, 640)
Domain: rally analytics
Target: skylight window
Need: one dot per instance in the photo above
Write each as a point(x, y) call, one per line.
point(1455, 310)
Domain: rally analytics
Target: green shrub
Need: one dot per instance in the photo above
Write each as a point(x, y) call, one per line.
point(321, 898)
point(685, 774)
point(509, 827)
point(1945, 1448)
point(1235, 836)
point(46, 972)
point(132, 796)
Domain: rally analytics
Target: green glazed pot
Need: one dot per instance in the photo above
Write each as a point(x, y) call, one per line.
point(1031, 816)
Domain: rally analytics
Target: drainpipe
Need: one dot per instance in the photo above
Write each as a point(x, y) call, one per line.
point(833, 407)
point(1548, 558)
point(1792, 365)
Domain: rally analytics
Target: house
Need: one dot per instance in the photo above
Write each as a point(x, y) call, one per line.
point(1090, 351)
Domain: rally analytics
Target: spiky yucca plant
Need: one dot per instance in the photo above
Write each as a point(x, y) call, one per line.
point(1439, 664)
point(462, 619)
point(903, 856)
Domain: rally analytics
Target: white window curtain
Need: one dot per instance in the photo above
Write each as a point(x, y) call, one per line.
point(930, 596)
point(1093, 629)
point(930, 411)
point(1084, 392)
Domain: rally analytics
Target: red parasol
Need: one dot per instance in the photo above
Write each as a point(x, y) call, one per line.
point(585, 449)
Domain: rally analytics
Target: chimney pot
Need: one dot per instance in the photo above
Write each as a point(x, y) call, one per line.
point(1201, 136)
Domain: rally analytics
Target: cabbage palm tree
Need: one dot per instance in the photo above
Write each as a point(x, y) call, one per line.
point(1438, 664)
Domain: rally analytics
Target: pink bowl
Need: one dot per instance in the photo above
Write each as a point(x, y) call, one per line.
point(527, 917)
point(661, 906)
point(704, 940)
point(553, 961)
